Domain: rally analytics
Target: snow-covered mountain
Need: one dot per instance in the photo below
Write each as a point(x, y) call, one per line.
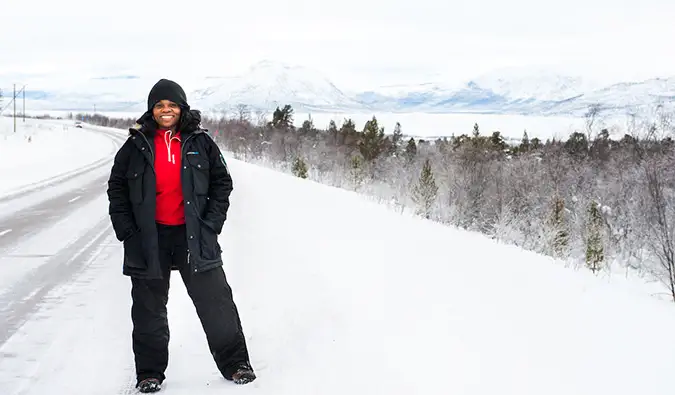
point(263, 86)
point(625, 96)
point(268, 84)
point(523, 91)
point(401, 97)
point(534, 83)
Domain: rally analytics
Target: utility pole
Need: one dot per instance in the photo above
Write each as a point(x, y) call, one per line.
point(13, 103)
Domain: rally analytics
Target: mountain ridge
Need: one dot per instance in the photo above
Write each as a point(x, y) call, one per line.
point(268, 84)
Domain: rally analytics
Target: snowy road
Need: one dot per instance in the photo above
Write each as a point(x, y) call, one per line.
point(34, 218)
point(33, 259)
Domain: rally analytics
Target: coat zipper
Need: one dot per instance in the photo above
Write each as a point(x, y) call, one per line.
point(152, 153)
point(182, 148)
point(183, 161)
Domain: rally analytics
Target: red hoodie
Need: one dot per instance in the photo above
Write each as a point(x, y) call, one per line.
point(170, 206)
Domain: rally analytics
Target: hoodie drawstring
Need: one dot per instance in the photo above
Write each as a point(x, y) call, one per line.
point(168, 138)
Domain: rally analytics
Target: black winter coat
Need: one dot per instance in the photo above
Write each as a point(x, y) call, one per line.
point(206, 184)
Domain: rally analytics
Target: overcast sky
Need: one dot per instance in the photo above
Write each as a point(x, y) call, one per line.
point(390, 41)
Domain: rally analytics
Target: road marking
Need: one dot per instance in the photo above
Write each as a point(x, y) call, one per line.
point(74, 199)
point(4, 232)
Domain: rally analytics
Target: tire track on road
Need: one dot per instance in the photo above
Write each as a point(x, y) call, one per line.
point(47, 213)
point(24, 298)
point(33, 218)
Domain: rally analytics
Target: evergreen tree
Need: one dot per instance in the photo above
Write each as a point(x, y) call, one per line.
point(347, 134)
point(372, 142)
point(333, 131)
point(536, 144)
point(525, 143)
point(348, 126)
point(560, 232)
point(425, 191)
point(283, 118)
point(595, 254)
point(410, 150)
point(497, 142)
point(460, 140)
point(307, 125)
point(356, 171)
point(601, 146)
point(299, 167)
point(396, 140)
point(577, 145)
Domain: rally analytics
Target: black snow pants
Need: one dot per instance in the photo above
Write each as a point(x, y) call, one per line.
point(212, 298)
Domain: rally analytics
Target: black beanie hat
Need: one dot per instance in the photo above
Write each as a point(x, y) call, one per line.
point(167, 90)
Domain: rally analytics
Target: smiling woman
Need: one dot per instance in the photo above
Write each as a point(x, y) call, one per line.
point(169, 195)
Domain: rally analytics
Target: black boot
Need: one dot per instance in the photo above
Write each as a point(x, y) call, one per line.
point(149, 385)
point(243, 374)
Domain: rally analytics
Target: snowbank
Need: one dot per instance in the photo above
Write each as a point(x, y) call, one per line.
point(43, 149)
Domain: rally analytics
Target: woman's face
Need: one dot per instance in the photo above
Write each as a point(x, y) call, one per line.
point(166, 114)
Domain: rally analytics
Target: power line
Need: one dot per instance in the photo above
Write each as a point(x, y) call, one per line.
point(13, 101)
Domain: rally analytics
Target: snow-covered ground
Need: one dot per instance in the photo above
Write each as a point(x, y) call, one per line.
point(338, 295)
point(40, 150)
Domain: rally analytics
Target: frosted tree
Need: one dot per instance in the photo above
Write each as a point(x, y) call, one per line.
point(476, 131)
point(559, 229)
point(333, 132)
point(243, 113)
point(525, 143)
point(410, 150)
point(357, 172)
point(591, 117)
point(497, 141)
point(307, 125)
point(595, 252)
point(425, 191)
point(535, 144)
point(299, 168)
point(660, 218)
point(396, 140)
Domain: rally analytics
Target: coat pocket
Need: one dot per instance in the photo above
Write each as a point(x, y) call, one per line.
point(135, 183)
point(210, 248)
point(201, 173)
point(133, 252)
